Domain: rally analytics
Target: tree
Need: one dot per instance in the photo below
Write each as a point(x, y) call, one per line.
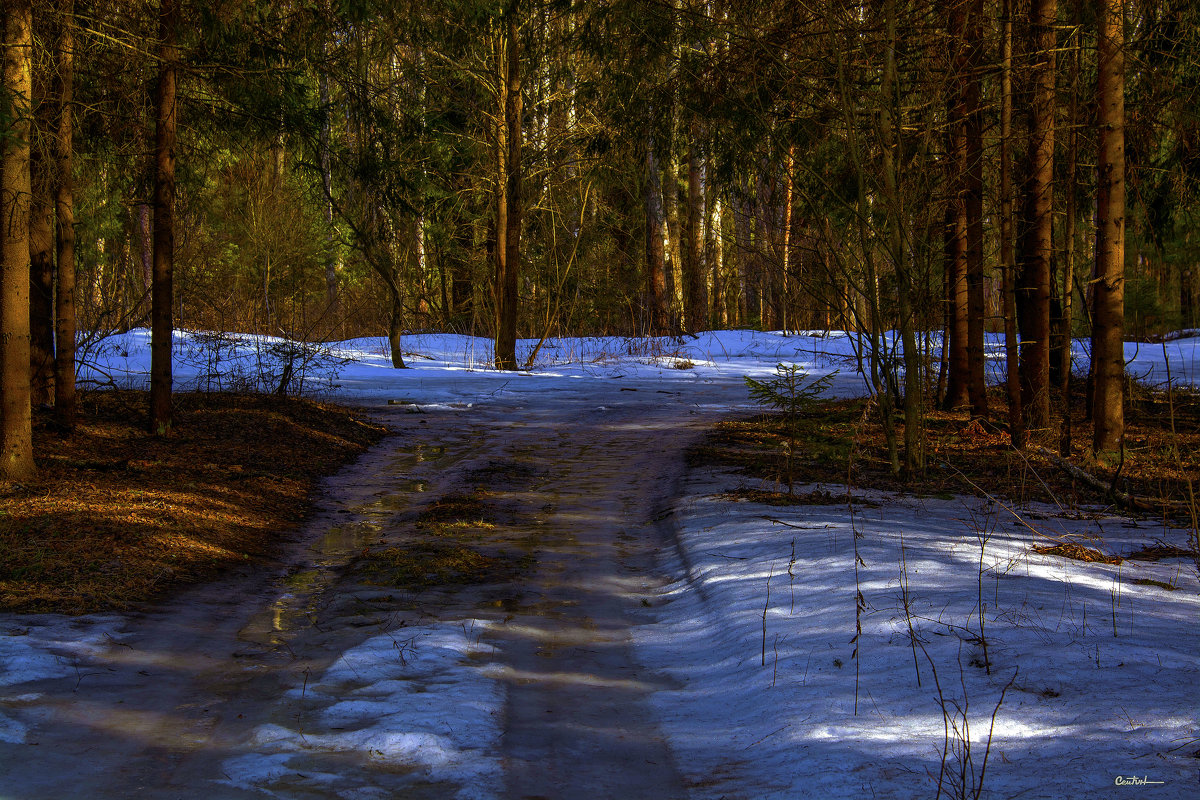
point(972, 208)
point(1108, 353)
point(64, 201)
point(164, 220)
point(1037, 245)
point(41, 232)
point(1016, 418)
point(508, 191)
point(16, 419)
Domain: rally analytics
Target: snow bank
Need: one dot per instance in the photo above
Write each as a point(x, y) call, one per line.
point(1101, 666)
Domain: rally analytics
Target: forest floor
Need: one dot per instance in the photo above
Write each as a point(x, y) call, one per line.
point(116, 517)
point(843, 442)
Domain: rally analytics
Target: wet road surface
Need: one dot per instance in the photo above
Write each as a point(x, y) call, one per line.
point(573, 495)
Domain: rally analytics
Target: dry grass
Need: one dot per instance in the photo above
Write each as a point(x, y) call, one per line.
point(116, 517)
point(964, 456)
point(1077, 552)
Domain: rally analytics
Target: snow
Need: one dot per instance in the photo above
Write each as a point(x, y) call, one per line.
point(410, 699)
point(1088, 683)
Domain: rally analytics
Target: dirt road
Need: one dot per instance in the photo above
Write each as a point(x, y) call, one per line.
point(529, 521)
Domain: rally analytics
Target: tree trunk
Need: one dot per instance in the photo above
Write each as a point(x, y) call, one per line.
point(1108, 352)
point(675, 279)
point(41, 262)
point(16, 419)
point(164, 223)
point(787, 245)
point(396, 327)
point(749, 310)
point(655, 268)
point(1016, 419)
point(506, 277)
point(1037, 245)
point(1069, 231)
point(64, 200)
point(694, 279)
point(972, 78)
point(957, 334)
point(332, 262)
point(914, 449)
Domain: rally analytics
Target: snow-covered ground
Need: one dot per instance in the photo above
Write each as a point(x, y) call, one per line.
point(824, 679)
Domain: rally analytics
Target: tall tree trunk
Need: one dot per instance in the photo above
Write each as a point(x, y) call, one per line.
point(1108, 330)
point(64, 201)
point(656, 280)
point(41, 259)
point(955, 258)
point(972, 78)
point(749, 310)
point(16, 419)
point(1069, 233)
point(695, 284)
point(914, 450)
point(1016, 418)
point(1037, 245)
point(506, 278)
point(787, 245)
point(674, 255)
point(956, 246)
point(332, 262)
point(164, 222)
point(396, 326)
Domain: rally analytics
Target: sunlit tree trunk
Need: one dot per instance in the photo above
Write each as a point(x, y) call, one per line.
point(16, 420)
point(656, 284)
point(695, 285)
point(1037, 246)
point(1109, 292)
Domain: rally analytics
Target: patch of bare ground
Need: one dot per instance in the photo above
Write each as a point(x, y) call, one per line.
point(116, 517)
point(842, 442)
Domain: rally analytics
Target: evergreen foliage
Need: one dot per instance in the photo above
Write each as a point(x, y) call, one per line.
point(790, 392)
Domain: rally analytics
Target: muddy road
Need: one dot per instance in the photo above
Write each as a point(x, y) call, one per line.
point(454, 621)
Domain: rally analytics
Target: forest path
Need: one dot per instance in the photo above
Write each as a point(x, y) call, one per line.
point(219, 693)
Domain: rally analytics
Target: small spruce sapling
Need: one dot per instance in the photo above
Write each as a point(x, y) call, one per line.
point(791, 392)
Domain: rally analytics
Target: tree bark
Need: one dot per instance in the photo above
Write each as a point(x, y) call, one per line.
point(1016, 418)
point(1108, 352)
point(507, 274)
point(889, 129)
point(161, 293)
point(972, 77)
point(64, 201)
point(655, 268)
point(1071, 215)
point(41, 259)
point(957, 334)
point(1037, 245)
point(695, 284)
point(332, 262)
point(16, 419)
